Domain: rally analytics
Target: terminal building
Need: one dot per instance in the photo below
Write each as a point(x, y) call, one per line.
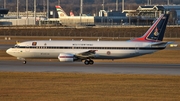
point(21, 18)
point(2, 13)
point(143, 15)
point(147, 14)
point(110, 18)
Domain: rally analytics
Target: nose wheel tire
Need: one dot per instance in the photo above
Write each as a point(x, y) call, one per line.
point(24, 62)
point(88, 62)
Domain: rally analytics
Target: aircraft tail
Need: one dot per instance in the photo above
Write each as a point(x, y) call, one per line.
point(60, 11)
point(156, 31)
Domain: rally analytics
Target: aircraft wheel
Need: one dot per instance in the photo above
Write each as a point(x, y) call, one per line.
point(91, 62)
point(24, 62)
point(86, 62)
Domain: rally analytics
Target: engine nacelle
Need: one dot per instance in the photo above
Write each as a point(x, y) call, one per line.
point(65, 57)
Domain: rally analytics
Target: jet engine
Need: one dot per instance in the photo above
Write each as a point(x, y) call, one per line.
point(65, 57)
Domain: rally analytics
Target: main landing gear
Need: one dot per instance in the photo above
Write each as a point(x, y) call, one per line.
point(87, 62)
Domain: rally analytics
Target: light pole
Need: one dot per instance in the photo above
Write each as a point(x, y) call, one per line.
point(34, 12)
point(81, 7)
point(59, 2)
point(17, 9)
point(122, 5)
point(167, 2)
point(44, 6)
point(27, 22)
point(4, 3)
point(81, 10)
point(103, 5)
point(116, 5)
point(47, 9)
point(27, 8)
point(148, 2)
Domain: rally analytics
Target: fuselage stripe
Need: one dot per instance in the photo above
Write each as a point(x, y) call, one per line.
point(116, 48)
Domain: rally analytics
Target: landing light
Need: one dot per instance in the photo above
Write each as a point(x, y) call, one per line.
point(173, 45)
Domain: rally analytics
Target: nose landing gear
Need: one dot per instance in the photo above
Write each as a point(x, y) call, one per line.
point(24, 62)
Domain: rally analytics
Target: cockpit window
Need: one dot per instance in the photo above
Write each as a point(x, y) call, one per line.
point(16, 46)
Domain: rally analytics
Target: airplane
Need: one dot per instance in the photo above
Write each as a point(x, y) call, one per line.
point(69, 20)
point(86, 51)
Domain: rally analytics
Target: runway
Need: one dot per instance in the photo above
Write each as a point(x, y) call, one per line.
point(98, 67)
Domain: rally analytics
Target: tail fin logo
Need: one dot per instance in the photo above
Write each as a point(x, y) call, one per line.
point(156, 33)
point(60, 11)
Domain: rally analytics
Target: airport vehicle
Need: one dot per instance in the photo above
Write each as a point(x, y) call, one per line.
point(72, 19)
point(70, 51)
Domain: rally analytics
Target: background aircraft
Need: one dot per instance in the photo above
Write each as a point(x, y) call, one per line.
point(73, 20)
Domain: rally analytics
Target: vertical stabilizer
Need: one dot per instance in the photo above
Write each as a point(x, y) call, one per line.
point(156, 31)
point(60, 11)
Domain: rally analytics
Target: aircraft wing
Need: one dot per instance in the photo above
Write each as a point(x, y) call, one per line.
point(86, 54)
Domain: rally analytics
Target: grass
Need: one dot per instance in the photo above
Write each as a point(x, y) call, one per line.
point(89, 87)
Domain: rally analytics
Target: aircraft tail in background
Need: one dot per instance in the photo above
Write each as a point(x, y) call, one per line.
point(156, 31)
point(60, 11)
point(71, 13)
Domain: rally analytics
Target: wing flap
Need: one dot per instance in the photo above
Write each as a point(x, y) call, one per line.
point(86, 54)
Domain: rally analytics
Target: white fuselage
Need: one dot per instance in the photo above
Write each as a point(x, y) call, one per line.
point(103, 49)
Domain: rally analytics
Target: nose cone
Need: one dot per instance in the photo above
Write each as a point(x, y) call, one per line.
point(8, 51)
point(12, 52)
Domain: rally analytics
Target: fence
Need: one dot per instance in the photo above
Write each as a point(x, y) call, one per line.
point(171, 32)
